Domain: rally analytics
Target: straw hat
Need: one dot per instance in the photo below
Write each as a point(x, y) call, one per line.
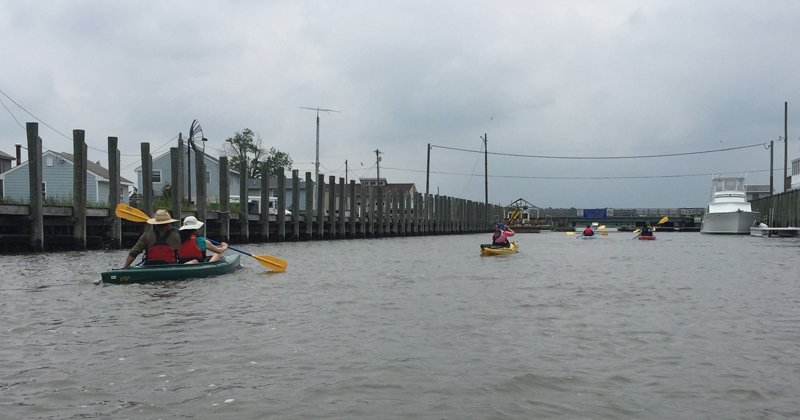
point(191, 222)
point(162, 218)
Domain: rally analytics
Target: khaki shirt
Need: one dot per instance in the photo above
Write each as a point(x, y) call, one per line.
point(148, 239)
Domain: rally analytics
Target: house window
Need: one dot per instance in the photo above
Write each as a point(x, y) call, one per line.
point(208, 177)
point(49, 161)
point(157, 177)
point(44, 190)
point(1, 188)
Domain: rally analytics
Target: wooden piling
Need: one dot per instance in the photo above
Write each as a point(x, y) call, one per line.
point(264, 208)
point(224, 200)
point(362, 215)
point(114, 189)
point(353, 209)
point(309, 207)
point(295, 205)
point(175, 187)
point(79, 179)
point(36, 206)
point(244, 222)
point(320, 211)
point(147, 181)
point(332, 206)
point(342, 200)
point(281, 177)
point(201, 189)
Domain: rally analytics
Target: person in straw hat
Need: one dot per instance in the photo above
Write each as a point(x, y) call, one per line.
point(159, 245)
point(193, 248)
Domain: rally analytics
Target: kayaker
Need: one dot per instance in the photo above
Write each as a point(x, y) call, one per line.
point(160, 245)
point(588, 231)
point(501, 235)
point(193, 248)
point(646, 231)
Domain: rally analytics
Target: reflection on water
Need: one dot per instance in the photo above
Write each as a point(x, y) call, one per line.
point(687, 326)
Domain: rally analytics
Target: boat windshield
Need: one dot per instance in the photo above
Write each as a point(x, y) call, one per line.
point(728, 185)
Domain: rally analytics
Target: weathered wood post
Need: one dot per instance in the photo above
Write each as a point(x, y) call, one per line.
point(309, 207)
point(332, 206)
point(114, 188)
point(175, 188)
point(369, 216)
point(264, 208)
point(395, 211)
point(147, 182)
point(224, 200)
point(401, 209)
point(79, 178)
point(320, 213)
point(353, 209)
point(244, 222)
point(295, 205)
point(342, 200)
point(202, 194)
point(379, 210)
point(362, 215)
point(281, 177)
point(36, 206)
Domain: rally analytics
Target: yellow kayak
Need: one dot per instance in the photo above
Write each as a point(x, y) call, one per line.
point(489, 250)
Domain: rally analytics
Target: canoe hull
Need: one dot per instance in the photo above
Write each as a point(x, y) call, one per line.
point(647, 238)
point(166, 272)
point(488, 250)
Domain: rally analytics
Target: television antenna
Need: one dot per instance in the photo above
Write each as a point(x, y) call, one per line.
point(316, 164)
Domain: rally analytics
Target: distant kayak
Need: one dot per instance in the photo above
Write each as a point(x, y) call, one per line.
point(488, 249)
point(647, 238)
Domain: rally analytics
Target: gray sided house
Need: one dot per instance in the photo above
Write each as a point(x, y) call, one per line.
point(5, 162)
point(162, 175)
point(57, 176)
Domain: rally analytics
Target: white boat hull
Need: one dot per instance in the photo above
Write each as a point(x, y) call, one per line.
point(736, 222)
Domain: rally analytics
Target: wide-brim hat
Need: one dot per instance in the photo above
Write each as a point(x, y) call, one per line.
point(162, 218)
point(190, 223)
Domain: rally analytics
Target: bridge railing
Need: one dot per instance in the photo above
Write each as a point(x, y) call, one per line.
point(634, 212)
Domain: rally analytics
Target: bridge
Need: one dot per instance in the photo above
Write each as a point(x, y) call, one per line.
point(684, 219)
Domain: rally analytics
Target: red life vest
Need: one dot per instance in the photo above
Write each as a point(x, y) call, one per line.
point(588, 232)
point(161, 252)
point(190, 251)
point(499, 239)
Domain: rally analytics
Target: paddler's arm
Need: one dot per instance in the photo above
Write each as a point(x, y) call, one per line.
point(137, 249)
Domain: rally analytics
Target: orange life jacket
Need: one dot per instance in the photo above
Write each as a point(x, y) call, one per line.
point(190, 251)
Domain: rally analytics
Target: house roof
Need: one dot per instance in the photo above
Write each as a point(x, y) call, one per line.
point(90, 166)
point(5, 156)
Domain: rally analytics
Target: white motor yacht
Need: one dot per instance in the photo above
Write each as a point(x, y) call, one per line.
point(728, 211)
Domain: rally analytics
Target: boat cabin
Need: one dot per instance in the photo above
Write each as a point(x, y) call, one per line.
point(728, 190)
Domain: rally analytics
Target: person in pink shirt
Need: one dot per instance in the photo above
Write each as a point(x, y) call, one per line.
point(501, 235)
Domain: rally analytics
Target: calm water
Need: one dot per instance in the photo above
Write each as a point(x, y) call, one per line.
point(688, 326)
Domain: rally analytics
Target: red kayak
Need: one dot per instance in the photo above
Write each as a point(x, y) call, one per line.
point(647, 238)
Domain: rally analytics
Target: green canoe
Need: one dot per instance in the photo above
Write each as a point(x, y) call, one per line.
point(143, 273)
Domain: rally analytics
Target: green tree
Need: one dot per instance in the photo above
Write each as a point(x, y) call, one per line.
point(246, 147)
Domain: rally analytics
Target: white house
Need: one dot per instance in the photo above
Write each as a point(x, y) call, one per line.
point(57, 176)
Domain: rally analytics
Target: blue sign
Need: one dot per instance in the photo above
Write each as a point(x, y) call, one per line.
point(594, 213)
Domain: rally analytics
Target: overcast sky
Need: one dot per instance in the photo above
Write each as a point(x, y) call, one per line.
point(538, 78)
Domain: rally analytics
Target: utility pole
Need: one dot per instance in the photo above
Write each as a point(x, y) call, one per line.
point(378, 162)
point(485, 169)
point(316, 164)
point(786, 183)
point(771, 153)
point(428, 173)
point(345, 172)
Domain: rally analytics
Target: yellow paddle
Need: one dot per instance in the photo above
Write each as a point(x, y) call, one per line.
point(514, 214)
point(133, 214)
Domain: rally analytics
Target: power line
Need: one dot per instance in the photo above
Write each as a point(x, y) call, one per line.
point(569, 178)
point(603, 157)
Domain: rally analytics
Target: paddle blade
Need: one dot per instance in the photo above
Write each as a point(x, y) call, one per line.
point(273, 263)
point(570, 233)
point(124, 211)
point(514, 214)
point(604, 233)
point(637, 230)
point(663, 220)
